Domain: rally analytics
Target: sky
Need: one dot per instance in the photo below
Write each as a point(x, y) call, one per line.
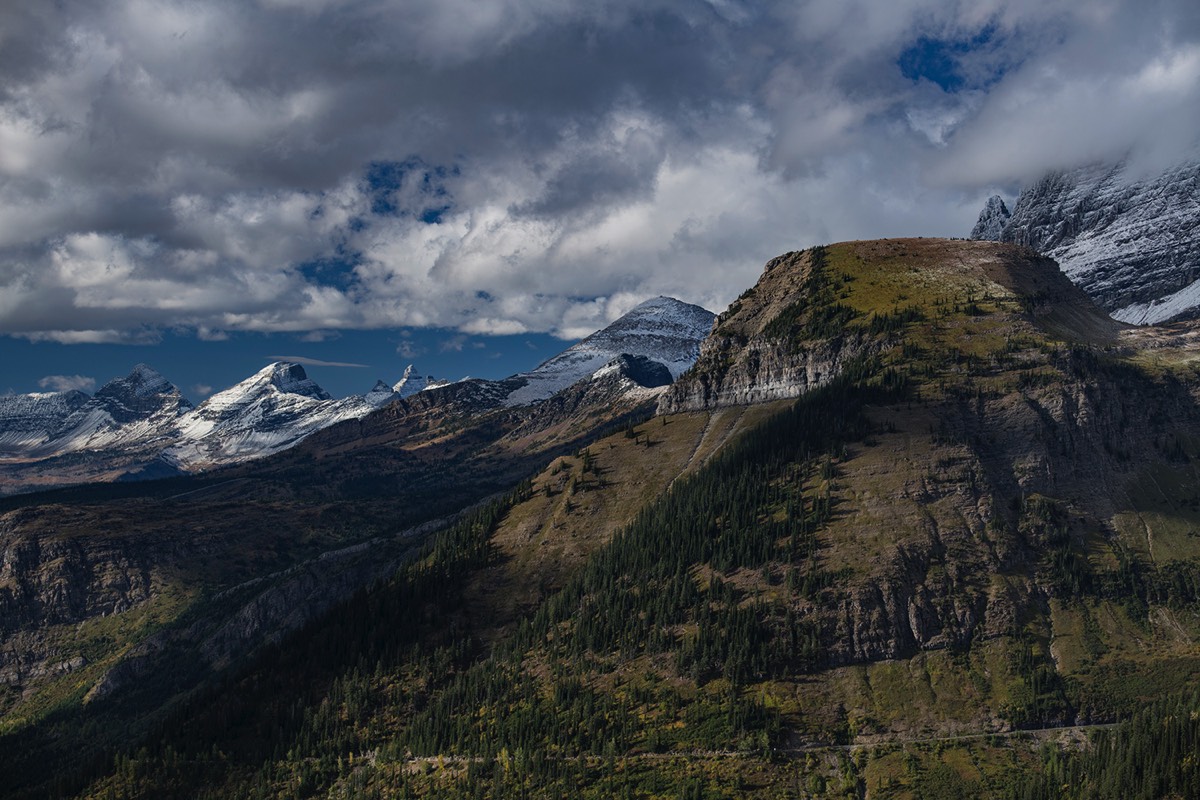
point(470, 185)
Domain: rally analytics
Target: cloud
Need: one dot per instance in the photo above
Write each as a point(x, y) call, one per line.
point(66, 383)
point(408, 349)
point(202, 389)
point(510, 166)
point(315, 362)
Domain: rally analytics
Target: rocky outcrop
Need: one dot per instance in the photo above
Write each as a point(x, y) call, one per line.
point(51, 580)
point(48, 580)
point(732, 373)
point(744, 361)
point(993, 218)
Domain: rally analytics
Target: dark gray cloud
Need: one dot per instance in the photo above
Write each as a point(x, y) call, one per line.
point(501, 166)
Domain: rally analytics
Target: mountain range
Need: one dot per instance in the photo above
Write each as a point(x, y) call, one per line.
point(898, 506)
point(141, 426)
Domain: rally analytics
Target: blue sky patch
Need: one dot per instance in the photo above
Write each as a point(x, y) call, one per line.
point(409, 188)
point(945, 61)
point(333, 270)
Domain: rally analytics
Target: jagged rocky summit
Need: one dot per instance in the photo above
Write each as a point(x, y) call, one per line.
point(992, 219)
point(1131, 241)
point(412, 382)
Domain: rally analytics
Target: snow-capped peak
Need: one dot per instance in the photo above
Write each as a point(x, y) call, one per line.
point(291, 379)
point(661, 329)
point(273, 409)
point(142, 381)
point(412, 382)
point(132, 411)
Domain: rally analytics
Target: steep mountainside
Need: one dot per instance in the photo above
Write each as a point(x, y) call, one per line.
point(28, 421)
point(1131, 242)
point(920, 511)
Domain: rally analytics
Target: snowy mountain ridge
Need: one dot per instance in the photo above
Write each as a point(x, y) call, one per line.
point(30, 420)
point(144, 421)
point(1131, 242)
point(133, 411)
point(269, 411)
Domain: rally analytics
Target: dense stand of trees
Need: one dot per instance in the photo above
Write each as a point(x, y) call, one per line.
point(1155, 754)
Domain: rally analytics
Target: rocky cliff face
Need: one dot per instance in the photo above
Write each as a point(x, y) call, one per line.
point(48, 581)
point(1130, 241)
point(752, 357)
point(973, 501)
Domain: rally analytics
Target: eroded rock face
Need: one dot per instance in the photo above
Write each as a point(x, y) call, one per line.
point(49, 581)
point(758, 372)
point(46, 580)
point(741, 363)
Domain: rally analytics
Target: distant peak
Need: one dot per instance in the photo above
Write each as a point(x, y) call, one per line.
point(651, 315)
point(142, 381)
point(380, 394)
point(412, 382)
point(661, 302)
point(992, 219)
point(286, 370)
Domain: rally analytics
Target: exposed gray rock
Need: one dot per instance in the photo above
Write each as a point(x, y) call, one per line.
point(992, 220)
point(738, 364)
point(1132, 242)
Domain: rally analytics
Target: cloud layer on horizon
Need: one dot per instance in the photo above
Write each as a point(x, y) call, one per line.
point(502, 166)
